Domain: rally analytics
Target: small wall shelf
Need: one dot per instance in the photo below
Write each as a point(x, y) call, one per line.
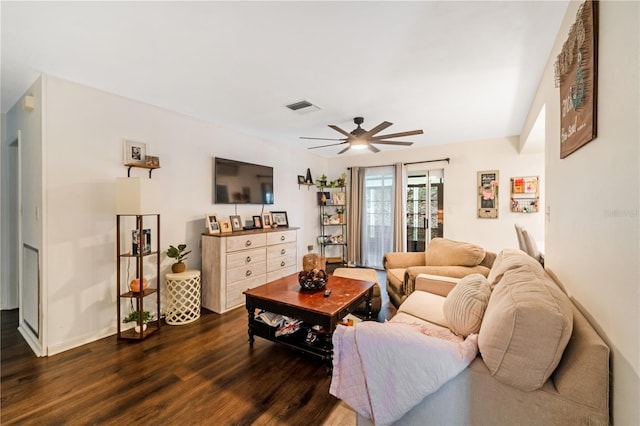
point(140, 166)
point(525, 194)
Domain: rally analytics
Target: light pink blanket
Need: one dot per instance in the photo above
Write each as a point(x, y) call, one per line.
point(384, 370)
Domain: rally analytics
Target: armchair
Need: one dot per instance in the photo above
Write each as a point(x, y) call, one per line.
point(442, 257)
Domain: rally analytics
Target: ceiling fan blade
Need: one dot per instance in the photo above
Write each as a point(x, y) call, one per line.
point(397, 135)
point(380, 127)
point(393, 143)
point(339, 130)
point(323, 146)
point(345, 150)
point(373, 148)
point(323, 139)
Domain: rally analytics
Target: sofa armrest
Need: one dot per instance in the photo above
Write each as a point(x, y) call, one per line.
point(454, 271)
point(435, 284)
point(398, 260)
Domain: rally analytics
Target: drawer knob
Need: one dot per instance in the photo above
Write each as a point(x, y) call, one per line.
point(247, 243)
point(248, 259)
point(283, 263)
point(248, 273)
point(282, 238)
point(283, 251)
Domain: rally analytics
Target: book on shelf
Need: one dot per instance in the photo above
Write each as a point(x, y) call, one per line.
point(141, 243)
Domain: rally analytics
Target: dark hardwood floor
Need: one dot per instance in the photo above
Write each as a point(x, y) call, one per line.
point(201, 373)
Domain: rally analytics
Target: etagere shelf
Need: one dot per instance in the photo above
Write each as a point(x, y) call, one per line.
point(333, 226)
point(140, 251)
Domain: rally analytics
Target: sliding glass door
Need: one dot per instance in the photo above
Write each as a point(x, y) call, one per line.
point(424, 208)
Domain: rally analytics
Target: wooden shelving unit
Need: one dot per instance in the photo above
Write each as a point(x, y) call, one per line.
point(525, 194)
point(149, 297)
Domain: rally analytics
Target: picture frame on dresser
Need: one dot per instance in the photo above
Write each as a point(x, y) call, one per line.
point(211, 223)
point(280, 218)
point(267, 220)
point(225, 226)
point(236, 223)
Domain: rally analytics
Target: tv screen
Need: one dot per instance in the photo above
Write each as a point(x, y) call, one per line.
point(237, 182)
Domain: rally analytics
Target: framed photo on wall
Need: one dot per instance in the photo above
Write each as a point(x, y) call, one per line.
point(488, 194)
point(135, 152)
point(280, 218)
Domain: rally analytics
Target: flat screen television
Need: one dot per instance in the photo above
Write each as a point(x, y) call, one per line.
point(237, 182)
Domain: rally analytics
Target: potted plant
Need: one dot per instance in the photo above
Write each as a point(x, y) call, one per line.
point(134, 316)
point(321, 181)
point(342, 179)
point(179, 255)
point(340, 211)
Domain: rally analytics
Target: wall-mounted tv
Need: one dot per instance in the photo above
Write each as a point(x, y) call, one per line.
point(237, 182)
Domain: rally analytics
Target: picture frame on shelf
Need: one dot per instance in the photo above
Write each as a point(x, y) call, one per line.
point(301, 180)
point(152, 160)
point(211, 223)
point(257, 221)
point(236, 223)
point(225, 226)
point(267, 220)
point(135, 152)
point(280, 218)
point(339, 198)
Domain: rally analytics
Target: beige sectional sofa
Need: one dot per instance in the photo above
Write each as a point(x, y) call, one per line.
point(540, 362)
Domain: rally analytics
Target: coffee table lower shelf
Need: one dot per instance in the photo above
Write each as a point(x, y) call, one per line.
point(297, 340)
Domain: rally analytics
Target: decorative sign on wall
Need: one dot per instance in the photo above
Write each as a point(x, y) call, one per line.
point(576, 75)
point(488, 194)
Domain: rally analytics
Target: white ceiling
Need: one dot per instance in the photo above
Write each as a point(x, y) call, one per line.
point(459, 70)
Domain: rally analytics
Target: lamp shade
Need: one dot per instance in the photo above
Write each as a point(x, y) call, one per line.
point(136, 195)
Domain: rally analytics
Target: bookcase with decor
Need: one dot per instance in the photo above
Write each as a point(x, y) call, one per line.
point(137, 293)
point(332, 200)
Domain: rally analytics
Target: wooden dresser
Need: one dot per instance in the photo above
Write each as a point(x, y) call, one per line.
point(232, 263)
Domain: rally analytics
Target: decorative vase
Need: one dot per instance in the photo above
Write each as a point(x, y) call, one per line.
point(137, 328)
point(134, 285)
point(178, 267)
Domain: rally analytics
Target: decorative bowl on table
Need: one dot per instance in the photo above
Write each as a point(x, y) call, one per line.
point(312, 280)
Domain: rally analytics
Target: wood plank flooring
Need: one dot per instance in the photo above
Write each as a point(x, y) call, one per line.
point(201, 373)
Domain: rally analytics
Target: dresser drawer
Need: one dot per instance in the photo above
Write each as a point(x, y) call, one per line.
point(242, 242)
point(280, 237)
point(234, 291)
point(246, 272)
point(281, 262)
point(246, 257)
point(281, 250)
point(274, 275)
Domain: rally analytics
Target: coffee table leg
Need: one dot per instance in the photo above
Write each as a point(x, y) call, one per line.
point(329, 349)
point(251, 311)
point(370, 304)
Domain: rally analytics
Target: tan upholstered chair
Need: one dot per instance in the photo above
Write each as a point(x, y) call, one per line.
point(442, 257)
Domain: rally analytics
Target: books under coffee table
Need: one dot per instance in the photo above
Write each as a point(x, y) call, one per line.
point(317, 316)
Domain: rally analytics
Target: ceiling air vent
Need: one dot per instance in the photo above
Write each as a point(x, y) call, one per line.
point(303, 107)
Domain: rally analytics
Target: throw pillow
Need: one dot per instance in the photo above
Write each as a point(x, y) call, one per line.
point(443, 252)
point(465, 304)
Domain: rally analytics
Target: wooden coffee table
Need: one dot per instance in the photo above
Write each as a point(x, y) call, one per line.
point(284, 296)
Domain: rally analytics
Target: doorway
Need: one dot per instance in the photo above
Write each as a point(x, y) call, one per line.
point(424, 208)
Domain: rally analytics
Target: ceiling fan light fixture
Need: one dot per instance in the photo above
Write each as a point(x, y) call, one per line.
point(358, 144)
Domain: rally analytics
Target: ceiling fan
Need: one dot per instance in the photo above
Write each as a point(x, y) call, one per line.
point(360, 138)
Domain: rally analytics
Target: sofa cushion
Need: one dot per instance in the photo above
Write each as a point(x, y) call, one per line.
point(525, 329)
point(425, 306)
point(465, 304)
point(443, 252)
point(510, 259)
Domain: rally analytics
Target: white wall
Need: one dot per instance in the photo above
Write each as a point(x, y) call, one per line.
point(460, 187)
point(84, 155)
point(593, 232)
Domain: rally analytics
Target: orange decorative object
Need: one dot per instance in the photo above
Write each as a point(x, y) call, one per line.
point(134, 285)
